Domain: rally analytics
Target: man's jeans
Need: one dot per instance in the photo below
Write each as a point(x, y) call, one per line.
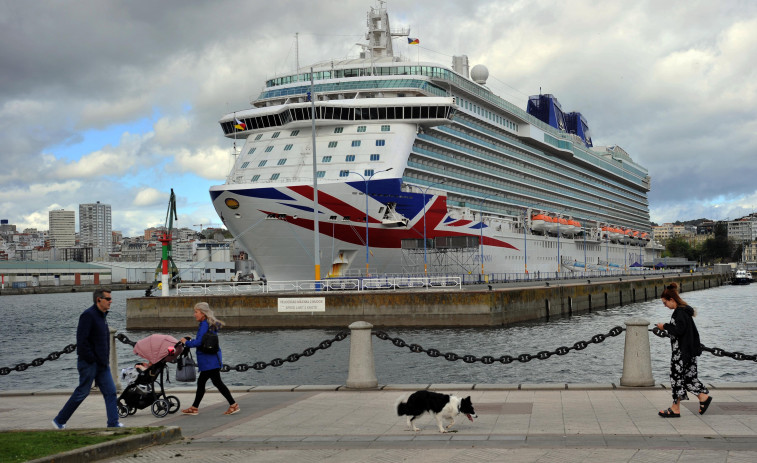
point(103, 379)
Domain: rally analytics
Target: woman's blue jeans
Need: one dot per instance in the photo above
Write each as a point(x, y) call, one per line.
point(89, 372)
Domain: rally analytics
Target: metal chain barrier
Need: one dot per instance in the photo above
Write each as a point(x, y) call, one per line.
point(505, 359)
point(716, 351)
point(277, 362)
point(38, 361)
point(124, 339)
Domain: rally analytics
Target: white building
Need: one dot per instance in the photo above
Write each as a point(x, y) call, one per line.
point(743, 230)
point(95, 228)
point(62, 228)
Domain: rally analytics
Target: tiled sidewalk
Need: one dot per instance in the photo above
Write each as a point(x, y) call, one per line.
point(529, 423)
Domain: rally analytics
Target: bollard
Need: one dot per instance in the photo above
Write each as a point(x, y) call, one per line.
point(114, 360)
point(362, 373)
point(637, 359)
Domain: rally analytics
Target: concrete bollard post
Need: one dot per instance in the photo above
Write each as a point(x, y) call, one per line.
point(637, 359)
point(113, 360)
point(362, 373)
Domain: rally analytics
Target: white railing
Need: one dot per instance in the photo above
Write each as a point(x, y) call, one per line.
point(349, 284)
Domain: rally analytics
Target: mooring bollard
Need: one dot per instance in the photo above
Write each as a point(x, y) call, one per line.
point(362, 373)
point(114, 360)
point(637, 359)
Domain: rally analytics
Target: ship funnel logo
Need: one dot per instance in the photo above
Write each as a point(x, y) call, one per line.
point(232, 203)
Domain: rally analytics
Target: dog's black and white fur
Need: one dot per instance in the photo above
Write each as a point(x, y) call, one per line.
point(440, 405)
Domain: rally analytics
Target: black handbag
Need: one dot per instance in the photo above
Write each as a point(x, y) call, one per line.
point(209, 343)
point(186, 368)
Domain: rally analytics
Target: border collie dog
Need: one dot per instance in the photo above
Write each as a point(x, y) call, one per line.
point(440, 405)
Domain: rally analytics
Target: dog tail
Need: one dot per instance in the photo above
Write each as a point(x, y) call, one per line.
point(401, 407)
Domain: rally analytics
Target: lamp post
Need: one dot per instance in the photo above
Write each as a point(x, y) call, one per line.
point(481, 230)
point(367, 242)
point(525, 241)
point(425, 260)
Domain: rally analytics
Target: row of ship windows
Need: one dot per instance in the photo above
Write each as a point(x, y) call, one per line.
point(319, 174)
point(294, 133)
point(465, 104)
point(282, 161)
point(337, 113)
point(332, 144)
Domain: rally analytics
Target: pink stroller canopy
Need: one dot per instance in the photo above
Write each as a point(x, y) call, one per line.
point(157, 347)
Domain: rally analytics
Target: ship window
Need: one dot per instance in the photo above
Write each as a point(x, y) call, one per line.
point(275, 135)
point(339, 130)
point(360, 128)
point(258, 137)
point(288, 147)
point(274, 177)
point(245, 164)
point(355, 143)
point(380, 142)
point(384, 128)
point(368, 172)
point(332, 144)
point(269, 149)
point(350, 158)
point(321, 173)
point(255, 177)
point(326, 159)
point(262, 163)
point(375, 157)
point(294, 133)
point(281, 162)
point(344, 173)
point(252, 150)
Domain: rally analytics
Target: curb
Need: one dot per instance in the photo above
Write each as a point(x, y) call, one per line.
point(114, 447)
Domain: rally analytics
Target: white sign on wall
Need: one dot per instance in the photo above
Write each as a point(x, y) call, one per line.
point(302, 304)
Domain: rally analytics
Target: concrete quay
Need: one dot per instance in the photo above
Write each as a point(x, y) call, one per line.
point(520, 422)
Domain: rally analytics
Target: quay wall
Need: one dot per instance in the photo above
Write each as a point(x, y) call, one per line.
point(71, 288)
point(426, 308)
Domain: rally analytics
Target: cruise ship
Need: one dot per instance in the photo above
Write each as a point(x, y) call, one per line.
point(420, 169)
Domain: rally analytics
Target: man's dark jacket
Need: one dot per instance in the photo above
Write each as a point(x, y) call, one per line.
point(93, 337)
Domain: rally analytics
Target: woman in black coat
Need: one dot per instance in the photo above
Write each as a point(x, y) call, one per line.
point(684, 340)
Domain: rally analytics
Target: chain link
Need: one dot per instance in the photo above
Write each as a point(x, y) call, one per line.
point(716, 351)
point(38, 361)
point(505, 359)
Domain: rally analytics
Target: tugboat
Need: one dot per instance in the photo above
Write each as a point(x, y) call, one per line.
point(742, 277)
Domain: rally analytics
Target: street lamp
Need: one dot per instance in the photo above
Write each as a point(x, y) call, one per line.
point(425, 261)
point(481, 229)
point(367, 243)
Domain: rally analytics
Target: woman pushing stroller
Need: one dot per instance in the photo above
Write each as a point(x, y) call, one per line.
point(208, 364)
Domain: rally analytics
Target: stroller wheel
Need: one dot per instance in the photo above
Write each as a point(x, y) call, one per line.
point(123, 412)
point(160, 408)
point(132, 410)
point(173, 404)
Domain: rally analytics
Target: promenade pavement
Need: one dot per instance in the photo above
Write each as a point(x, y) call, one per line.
point(517, 423)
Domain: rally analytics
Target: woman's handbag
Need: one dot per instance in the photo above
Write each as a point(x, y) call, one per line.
point(186, 368)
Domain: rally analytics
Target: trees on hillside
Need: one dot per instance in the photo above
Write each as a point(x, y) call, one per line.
point(716, 249)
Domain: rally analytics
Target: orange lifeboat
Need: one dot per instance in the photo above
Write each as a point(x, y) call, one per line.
point(616, 233)
point(636, 236)
point(539, 222)
point(562, 225)
point(627, 235)
point(575, 225)
point(606, 233)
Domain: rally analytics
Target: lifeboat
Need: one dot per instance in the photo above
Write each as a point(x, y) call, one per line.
point(539, 222)
point(562, 226)
point(636, 236)
point(605, 235)
point(550, 224)
point(645, 237)
point(627, 234)
point(616, 233)
point(575, 225)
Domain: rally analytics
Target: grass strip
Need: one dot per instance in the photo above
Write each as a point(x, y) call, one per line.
point(16, 446)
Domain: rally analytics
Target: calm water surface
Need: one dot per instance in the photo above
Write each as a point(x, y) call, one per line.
point(35, 325)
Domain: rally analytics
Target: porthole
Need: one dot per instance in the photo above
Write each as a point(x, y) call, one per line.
point(232, 203)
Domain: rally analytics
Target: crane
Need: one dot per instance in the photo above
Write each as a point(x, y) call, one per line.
point(201, 224)
point(166, 240)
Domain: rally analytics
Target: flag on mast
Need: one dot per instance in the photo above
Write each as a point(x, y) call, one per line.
point(412, 41)
point(239, 124)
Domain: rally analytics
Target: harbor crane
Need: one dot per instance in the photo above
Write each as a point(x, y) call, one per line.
point(162, 271)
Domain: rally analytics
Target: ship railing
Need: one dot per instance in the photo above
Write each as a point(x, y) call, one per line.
point(435, 282)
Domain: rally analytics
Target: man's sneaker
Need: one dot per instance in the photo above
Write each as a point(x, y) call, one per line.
point(118, 425)
point(58, 426)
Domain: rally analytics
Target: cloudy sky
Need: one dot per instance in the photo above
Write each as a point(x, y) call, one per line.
point(119, 101)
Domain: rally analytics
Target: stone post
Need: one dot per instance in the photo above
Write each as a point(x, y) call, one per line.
point(362, 373)
point(114, 360)
point(637, 359)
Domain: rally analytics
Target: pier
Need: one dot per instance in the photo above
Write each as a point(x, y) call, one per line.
point(470, 306)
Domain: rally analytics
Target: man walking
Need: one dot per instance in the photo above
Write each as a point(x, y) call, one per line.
point(93, 349)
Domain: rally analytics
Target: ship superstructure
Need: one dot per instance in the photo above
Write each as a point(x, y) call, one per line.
point(488, 184)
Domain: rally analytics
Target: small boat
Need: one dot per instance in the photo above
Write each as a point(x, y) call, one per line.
point(539, 222)
point(741, 277)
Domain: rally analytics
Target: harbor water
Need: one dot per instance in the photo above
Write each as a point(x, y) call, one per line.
point(36, 325)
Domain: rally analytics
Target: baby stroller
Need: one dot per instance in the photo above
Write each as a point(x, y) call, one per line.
point(145, 388)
